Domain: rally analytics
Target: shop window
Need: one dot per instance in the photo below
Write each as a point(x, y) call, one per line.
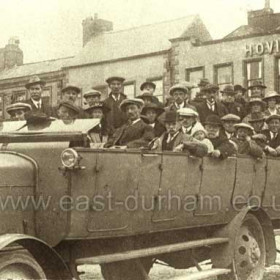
point(223, 74)
point(159, 87)
point(194, 75)
point(129, 89)
point(46, 95)
point(18, 96)
point(253, 71)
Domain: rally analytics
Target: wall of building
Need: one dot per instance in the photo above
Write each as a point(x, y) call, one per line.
point(236, 52)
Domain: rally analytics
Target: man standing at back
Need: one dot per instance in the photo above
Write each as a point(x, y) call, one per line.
point(115, 118)
point(35, 89)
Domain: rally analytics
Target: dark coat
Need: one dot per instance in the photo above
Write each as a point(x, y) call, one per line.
point(159, 129)
point(133, 136)
point(250, 148)
point(204, 111)
point(115, 118)
point(273, 143)
point(45, 108)
point(235, 108)
point(222, 144)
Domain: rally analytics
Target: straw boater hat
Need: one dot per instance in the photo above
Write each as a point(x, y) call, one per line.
point(115, 78)
point(35, 80)
point(153, 85)
point(18, 106)
point(92, 92)
point(272, 117)
point(178, 86)
point(231, 117)
point(73, 87)
point(244, 125)
point(98, 105)
point(257, 84)
point(135, 101)
point(271, 94)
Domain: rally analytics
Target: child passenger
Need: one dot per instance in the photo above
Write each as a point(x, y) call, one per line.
point(201, 136)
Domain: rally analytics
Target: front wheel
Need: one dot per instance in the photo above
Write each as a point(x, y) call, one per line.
point(248, 262)
point(19, 265)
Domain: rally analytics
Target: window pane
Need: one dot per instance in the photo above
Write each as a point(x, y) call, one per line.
point(254, 70)
point(195, 76)
point(224, 75)
point(129, 90)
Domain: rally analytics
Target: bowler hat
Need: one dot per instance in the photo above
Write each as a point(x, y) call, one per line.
point(170, 116)
point(213, 120)
point(135, 101)
point(244, 125)
point(228, 89)
point(152, 106)
point(115, 78)
point(272, 117)
point(257, 84)
point(92, 92)
point(256, 117)
point(153, 85)
point(271, 94)
point(98, 105)
point(203, 82)
point(230, 117)
point(239, 87)
point(70, 106)
point(18, 106)
point(34, 81)
point(209, 88)
point(75, 88)
point(178, 86)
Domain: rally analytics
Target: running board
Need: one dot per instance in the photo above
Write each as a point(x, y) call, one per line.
point(148, 252)
point(204, 274)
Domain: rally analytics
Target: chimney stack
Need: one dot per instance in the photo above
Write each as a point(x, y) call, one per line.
point(11, 55)
point(94, 27)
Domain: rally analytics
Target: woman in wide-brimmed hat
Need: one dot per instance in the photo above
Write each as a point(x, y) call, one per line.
point(272, 98)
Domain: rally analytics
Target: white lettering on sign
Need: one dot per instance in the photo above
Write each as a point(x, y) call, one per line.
point(269, 47)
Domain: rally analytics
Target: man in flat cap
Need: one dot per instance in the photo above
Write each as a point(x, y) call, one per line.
point(244, 142)
point(115, 118)
point(211, 106)
point(228, 101)
point(273, 132)
point(257, 121)
point(69, 95)
point(18, 110)
point(35, 89)
point(92, 97)
point(67, 111)
point(223, 148)
point(135, 133)
point(228, 122)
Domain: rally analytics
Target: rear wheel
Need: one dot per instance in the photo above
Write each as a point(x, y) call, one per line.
point(19, 265)
point(249, 252)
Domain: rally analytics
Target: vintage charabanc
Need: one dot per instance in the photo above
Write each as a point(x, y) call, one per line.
point(65, 201)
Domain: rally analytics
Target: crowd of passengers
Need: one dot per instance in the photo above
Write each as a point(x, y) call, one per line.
point(209, 124)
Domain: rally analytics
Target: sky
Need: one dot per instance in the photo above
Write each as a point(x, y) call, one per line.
point(50, 29)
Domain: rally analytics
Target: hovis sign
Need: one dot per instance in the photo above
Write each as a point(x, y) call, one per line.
point(262, 48)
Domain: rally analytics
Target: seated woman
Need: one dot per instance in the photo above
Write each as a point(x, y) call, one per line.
point(150, 114)
point(98, 134)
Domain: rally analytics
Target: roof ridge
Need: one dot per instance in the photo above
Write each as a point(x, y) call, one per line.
point(149, 24)
point(47, 60)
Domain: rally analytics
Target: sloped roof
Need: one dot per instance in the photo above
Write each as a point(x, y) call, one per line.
point(35, 68)
point(139, 40)
point(245, 30)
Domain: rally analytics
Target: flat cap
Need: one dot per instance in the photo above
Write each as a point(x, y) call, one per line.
point(228, 89)
point(34, 81)
point(244, 125)
point(148, 83)
point(92, 92)
point(136, 101)
point(18, 106)
point(73, 87)
point(187, 112)
point(272, 117)
point(70, 106)
point(231, 117)
point(115, 78)
point(213, 120)
point(178, 86)
point(98, 105)
point(152, 106)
